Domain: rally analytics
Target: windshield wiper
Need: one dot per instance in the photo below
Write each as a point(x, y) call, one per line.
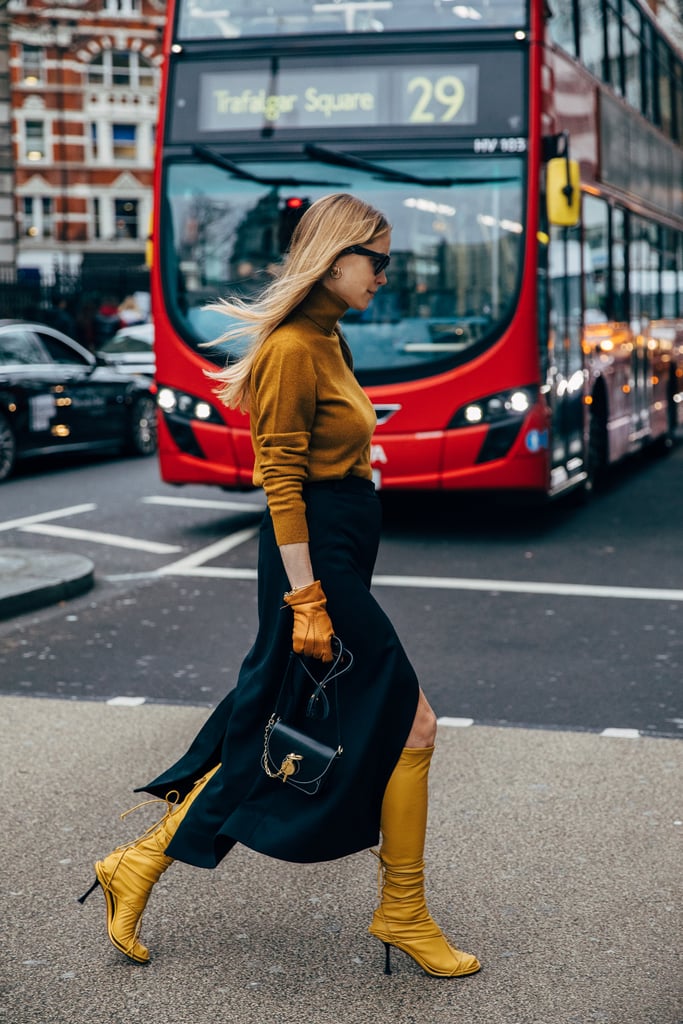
point(210, 156)
point(339, 159)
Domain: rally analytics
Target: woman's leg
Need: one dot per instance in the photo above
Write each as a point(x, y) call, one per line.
point(423, 730)
point(402, 918)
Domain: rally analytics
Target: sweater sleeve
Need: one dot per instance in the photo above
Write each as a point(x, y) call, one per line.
point(283, 410)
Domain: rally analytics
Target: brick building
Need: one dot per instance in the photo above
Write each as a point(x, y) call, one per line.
point(84, 88)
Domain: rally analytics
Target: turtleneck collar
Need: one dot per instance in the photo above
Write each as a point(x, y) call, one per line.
point(323, 308)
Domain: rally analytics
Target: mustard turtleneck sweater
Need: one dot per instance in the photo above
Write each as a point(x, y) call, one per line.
point(310, 418)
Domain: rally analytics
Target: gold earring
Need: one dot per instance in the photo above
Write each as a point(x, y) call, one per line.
point(335, 272)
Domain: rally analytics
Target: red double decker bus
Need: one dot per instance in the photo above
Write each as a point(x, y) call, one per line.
point(530, 162)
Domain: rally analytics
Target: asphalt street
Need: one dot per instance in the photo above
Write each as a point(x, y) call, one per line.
point(567, 620)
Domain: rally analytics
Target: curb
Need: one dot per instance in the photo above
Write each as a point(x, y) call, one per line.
point(34, 579)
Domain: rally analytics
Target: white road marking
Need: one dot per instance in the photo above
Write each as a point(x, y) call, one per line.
point(455, 723)
point(214, 572)
point(126, 577)
point(229, 506)
point(192, 564)
point(622, 734)
point(529, 587)
point(41, 517)
point(113, 539)
point(126, 702)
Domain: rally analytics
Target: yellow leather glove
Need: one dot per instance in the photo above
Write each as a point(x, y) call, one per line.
point(313, 632)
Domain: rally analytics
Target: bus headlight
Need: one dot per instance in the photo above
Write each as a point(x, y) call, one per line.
point(503, 406)
point(203, 411)
point(473, 413)
point(503, 414)
point(519, 401)
point(166, 399)
point(183, 406)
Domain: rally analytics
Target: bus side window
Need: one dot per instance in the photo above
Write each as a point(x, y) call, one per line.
point(566, 299)
point(619, 254)
point(595, 259)
point(644, 270)
point(669, 285)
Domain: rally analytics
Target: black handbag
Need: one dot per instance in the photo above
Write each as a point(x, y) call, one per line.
point(292, 752)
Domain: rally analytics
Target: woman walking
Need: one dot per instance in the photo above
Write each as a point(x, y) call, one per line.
point(311, 426)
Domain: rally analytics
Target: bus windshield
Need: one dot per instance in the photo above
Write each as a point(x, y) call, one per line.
point(456, 251)
point(215, 19)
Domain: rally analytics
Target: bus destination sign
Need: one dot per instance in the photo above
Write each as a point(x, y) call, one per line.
point(352, 97)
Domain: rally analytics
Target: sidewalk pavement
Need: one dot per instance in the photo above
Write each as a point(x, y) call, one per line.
point(31, 579)
point(554, 856)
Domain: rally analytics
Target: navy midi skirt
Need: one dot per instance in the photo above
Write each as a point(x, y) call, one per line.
point(377, 701)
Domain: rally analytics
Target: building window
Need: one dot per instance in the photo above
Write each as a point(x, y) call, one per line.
point(94, 146)
point(124, 141)
point(96, 221)
point(126, 218)
point(122, 69)
point(38, 217)
point(46, 206)
point(31, 64)
point(122, 6)
point(35, 140)
point(29, 227)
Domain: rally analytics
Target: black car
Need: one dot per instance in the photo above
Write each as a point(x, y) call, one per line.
point(55, 396)
point(131, 350)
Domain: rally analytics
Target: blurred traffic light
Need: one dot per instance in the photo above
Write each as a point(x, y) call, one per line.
point(292, 210)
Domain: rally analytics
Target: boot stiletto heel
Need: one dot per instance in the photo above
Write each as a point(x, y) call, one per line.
point(83, 898)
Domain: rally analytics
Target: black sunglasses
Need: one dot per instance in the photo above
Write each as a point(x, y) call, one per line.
point(380, 260)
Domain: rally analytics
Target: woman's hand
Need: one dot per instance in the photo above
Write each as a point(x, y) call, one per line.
point(312, 633)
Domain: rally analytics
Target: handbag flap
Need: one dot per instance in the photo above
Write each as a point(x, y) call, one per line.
point(302, 759)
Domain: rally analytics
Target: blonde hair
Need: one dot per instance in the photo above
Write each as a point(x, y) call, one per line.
point(328, 226)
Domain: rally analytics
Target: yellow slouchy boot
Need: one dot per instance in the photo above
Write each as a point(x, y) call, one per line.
point(402, 918)
point(128, 874)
